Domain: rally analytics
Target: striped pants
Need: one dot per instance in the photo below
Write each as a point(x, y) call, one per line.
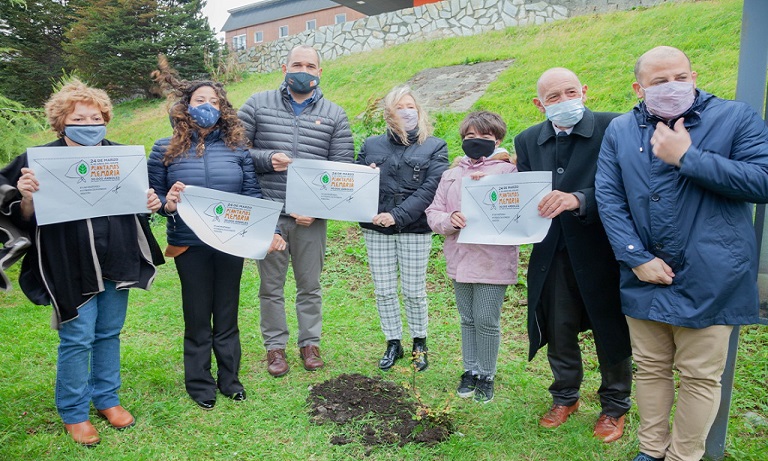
point(409, 252)
point(479, 307)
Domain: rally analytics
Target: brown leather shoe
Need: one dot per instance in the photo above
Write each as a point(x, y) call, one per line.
point(558, 414)
point(609, 429)
point(83, 433)
point(311, 357)
point(118, 417)
point(276, 364)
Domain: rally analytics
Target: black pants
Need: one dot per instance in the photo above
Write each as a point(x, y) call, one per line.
point(210, 289)
point(566, 316)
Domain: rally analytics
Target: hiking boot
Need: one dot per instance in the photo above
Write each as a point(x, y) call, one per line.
point(484, 389)
point(467, 385)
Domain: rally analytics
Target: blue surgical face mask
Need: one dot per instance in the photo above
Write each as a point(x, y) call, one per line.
point(205, 115)
point(86, 135)
point(567, 113)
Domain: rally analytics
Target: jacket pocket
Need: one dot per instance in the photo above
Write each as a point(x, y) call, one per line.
point(413, 172)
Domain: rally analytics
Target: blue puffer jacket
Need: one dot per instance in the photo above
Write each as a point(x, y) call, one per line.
point(219, 168)
point(696, 218)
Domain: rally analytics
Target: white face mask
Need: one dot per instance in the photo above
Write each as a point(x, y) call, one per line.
point(567, 113)
point(410, 118)
point(669, 100)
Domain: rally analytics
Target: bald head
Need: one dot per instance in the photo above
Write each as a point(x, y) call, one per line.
point(659, 56)
point(305, 51)
point(554, 77)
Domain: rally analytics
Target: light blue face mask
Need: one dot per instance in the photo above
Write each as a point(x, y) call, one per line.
point(86, 135)
point(567, 113)
point(205, 115)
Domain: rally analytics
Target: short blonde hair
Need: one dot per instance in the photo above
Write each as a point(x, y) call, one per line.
point(390, 114)
point(63, 102)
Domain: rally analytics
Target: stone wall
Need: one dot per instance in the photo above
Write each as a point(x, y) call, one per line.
point(448, 18)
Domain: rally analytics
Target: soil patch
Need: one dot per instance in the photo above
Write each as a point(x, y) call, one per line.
point(375, 412)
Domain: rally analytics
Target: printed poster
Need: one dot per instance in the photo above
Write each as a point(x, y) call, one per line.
point(233, 223)
point(88, 182)
point(332, 190)
point(503, 209)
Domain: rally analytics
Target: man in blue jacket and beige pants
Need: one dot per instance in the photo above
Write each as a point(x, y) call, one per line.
point(675, 179)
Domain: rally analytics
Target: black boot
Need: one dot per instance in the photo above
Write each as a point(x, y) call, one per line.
point(420, 354)
point(394, 352)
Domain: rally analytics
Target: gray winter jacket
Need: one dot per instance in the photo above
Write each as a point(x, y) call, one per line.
point(320, 132)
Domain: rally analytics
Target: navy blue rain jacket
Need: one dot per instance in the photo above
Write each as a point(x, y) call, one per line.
point(219, 168)
point(697, 218)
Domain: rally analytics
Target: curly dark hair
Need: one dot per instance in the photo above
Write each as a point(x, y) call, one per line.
point(179, 93)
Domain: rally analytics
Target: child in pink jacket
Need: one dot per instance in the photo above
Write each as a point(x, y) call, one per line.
point(480, 273)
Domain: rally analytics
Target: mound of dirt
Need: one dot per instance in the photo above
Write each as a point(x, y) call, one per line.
point(377, 412)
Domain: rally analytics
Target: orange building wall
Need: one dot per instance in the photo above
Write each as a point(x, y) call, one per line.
point(296, 24)
point(424, 2)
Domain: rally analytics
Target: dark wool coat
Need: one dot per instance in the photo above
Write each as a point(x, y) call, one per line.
point(573, 162)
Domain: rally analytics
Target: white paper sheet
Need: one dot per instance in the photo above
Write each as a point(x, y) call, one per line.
point(88, 182)
point(235, 224)
point(332, 190)
point(502, 209)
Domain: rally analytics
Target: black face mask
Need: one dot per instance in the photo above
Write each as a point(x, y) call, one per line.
point(478, 147)
point(302, 82)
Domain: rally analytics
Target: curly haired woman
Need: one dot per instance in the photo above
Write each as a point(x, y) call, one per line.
point(207, 149)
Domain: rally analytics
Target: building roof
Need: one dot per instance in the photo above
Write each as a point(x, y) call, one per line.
point(272, 10)
point(373, 7)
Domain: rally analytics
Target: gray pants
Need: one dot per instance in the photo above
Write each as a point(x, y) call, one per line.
point(479, 307)
point(306, 251)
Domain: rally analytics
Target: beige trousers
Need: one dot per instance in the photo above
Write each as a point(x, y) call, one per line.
point(699, 356)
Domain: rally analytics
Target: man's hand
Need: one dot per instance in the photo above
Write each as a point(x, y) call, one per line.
point(280, 161)
point(278, 244)
point(305, 221)
point(669, 145)
point(654, 271)
point(556, 202)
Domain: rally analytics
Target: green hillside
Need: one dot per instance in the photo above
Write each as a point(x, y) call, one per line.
point(601, 49)
point(273, 423)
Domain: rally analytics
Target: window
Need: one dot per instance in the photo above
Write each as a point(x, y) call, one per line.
point(311, 24)
point(238, 42)
point(283, 31)
point(340, 18)
point(258, 37)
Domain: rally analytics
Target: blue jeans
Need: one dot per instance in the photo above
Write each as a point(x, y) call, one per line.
point(88, 367)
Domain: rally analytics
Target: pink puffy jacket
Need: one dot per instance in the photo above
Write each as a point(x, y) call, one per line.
point(470, 263)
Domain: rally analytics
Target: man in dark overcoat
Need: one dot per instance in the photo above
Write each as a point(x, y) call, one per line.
point(573, 276)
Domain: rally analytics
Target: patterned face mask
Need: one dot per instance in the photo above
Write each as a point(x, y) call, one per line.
point(205, 115)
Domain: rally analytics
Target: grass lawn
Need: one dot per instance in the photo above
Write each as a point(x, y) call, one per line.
point(273, 423)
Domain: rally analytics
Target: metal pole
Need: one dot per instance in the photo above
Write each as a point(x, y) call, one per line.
point(750, 88)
